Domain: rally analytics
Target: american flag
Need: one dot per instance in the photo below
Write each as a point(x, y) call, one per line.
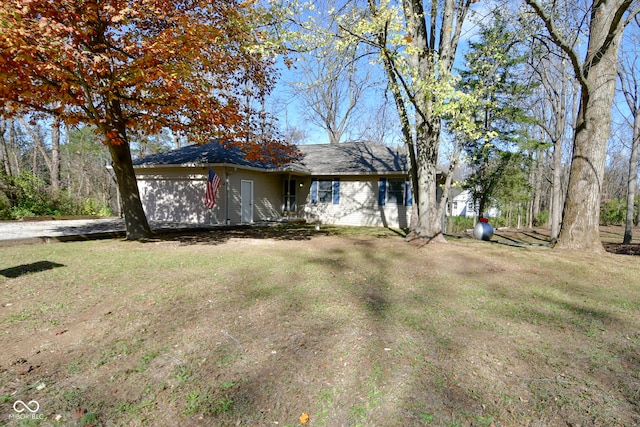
point(212, 189)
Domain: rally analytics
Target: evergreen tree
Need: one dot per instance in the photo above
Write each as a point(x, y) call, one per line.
point(493, 65)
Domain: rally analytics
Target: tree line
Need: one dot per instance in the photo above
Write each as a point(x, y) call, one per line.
point(49, 171)
point(528, 112)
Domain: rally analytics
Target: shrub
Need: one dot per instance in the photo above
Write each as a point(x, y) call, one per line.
point(26, 196)
point(613, 212)
point(542, 219)
point(95, 207)
point(458, 224)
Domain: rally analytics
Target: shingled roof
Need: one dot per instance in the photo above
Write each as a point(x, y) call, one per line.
point(352, 158)
point(349, 158)
point(192, 155)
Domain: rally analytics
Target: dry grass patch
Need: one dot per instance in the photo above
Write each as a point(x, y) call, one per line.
point(354, 329)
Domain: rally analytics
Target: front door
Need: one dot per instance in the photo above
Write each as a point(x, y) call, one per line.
point(246, 201)
point(289, 205)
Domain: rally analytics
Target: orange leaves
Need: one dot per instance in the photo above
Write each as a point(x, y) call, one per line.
point(113, 137)
point(147, 63)
point(304, 418)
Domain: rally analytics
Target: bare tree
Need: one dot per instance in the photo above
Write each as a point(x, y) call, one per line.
point(8, 144)
point(332, 88)
point(595, 71)
point(556, 98)
point(51, 156)
point(629, 75)
point(379, 121)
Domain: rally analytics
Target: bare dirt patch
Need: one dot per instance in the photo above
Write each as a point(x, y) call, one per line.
point(258, 326)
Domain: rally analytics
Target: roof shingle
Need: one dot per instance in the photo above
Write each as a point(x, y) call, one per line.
point(349, 158)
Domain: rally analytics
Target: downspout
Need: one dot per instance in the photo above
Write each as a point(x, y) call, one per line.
point(226, 195)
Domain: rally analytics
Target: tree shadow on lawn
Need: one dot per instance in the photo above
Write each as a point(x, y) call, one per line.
point(34, 267)
point(610, 236)
point(583, 344)
point(263, 354)
point(343, 362)
point(223, 234)
point(623, 249)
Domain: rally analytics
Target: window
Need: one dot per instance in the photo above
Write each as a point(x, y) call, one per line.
point(289, 196)
point(395, 191)
point(325, 191)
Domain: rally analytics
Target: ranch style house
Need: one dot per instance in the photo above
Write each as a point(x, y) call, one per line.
point(353, 183)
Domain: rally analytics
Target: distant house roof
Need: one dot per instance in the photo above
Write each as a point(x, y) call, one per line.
point(349, 158)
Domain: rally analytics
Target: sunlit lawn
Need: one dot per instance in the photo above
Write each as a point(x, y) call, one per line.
point(353, 327)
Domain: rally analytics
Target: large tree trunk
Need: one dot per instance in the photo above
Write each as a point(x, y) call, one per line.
point(631, 181)
point(137, 226)
point(428, 224)
point(581, 220)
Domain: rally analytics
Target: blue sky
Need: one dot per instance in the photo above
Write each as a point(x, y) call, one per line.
point(290, 110)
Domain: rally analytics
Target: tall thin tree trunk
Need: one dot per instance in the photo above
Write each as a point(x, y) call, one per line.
point(537, 188)
point(55, 156)
point(6, 161)
point(558, 138)
point(632, 181)
point(556, 190)
point(637, 221)
point(34, 161)
point(519, 217)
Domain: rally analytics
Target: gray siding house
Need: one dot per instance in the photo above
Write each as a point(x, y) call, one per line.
point(355, 183)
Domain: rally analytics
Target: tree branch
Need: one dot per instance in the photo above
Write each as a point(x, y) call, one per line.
point(560, 41)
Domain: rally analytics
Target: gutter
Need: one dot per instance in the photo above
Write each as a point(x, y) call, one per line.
point(226, 165)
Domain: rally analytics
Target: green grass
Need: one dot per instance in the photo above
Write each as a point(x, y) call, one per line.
point(353, 326)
